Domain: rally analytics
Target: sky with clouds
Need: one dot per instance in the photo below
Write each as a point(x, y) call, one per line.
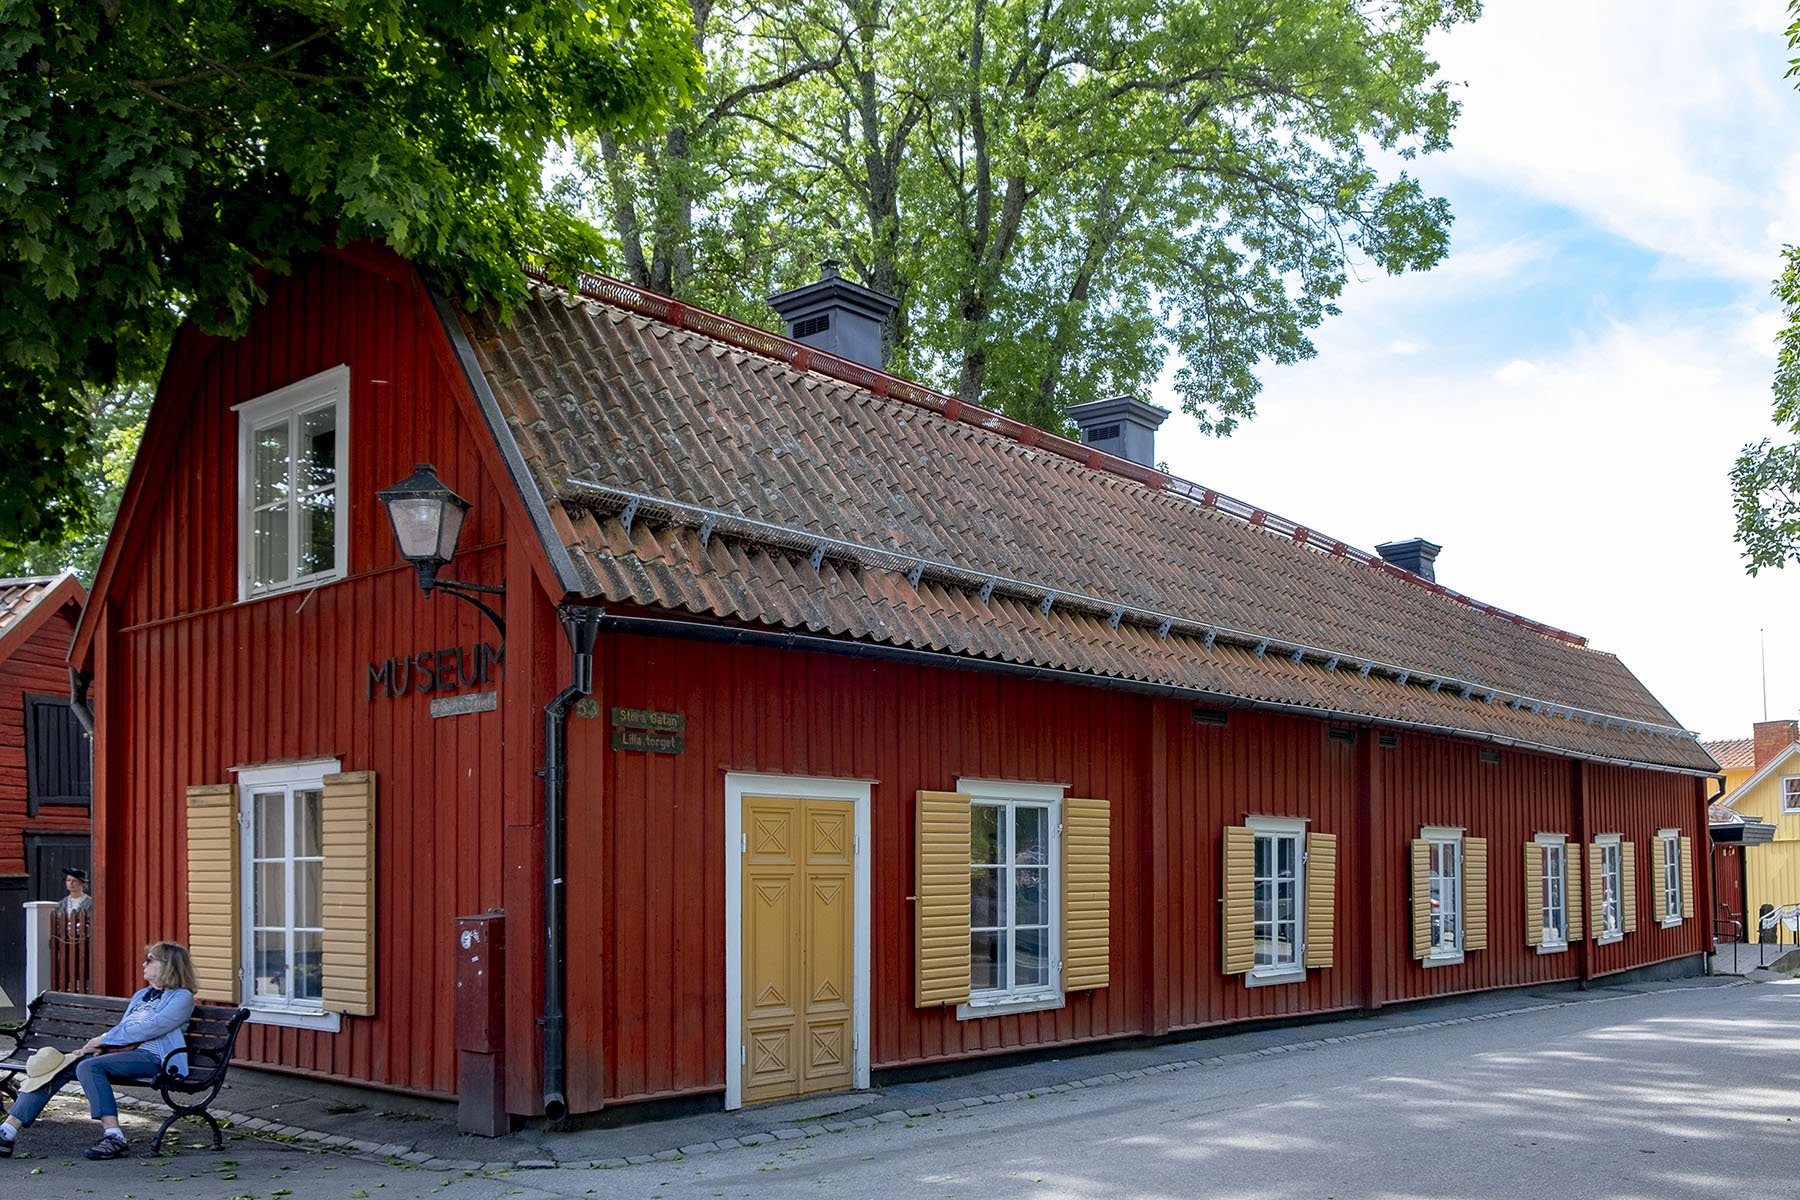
point(1560, 402)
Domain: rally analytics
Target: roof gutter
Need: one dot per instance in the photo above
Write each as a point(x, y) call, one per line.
point(737, 635)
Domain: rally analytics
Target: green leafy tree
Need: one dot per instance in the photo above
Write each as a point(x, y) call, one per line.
point(116, 426)
point(158, 160)
point(1765, 483)
point(1062, 194)
point(710, 187)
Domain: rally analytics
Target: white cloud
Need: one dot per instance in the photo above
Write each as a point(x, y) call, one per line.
point(1587, 491)
point(1642, 117)
point(1579, 474)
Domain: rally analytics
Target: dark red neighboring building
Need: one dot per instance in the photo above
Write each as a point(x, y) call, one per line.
point(914, 735)
point(45, 775)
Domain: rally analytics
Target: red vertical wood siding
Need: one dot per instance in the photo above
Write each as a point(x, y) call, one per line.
point(193, 683)
point(199, 683)
point(647, 868)
point(40, 666)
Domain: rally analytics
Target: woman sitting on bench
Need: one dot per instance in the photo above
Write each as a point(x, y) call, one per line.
point(153, 1025)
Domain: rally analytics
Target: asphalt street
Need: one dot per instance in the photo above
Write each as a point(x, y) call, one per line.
point(1679, 1093)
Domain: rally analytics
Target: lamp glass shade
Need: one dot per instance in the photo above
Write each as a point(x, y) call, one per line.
point(425, 529)
point(427, 516)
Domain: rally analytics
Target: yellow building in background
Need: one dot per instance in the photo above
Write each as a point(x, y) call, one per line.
point(1737, 760)
point(1767, 788)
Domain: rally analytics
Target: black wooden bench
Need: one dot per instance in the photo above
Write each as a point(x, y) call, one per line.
point(66, 1021)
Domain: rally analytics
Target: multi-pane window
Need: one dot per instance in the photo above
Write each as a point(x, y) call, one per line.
point(1446, 893)
point(1790, 793)
point(1277, 883)
point(284, 870)
point(1012, 899)
point(1671, 874)
point(1612, 889)
point(293, 484)
point(1553, 899)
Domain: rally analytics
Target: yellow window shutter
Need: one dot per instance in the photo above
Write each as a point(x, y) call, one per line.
point(941, 900)
point(1659, 891)
point(347, 893)
point(1421, 898)
point(1237, 901)
point(1475, 893)
point(1087, 894)
point(212, 889)
point(1687, 878)
point(1321, 898)
point(1596, 893)
point(1628, 879)
point(1534, 894)
point(1572, 889)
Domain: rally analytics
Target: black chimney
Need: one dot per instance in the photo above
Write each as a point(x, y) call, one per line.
point(1121, 425)
point(836, 316)
point(1416, 556)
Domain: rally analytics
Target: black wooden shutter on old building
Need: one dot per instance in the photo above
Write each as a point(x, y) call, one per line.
point(58, 761)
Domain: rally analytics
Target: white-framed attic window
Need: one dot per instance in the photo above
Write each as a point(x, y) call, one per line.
point(294, 485)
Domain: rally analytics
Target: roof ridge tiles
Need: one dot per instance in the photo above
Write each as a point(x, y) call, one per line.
point(726, 337)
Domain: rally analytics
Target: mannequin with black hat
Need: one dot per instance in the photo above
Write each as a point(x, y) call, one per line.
point(75, 881)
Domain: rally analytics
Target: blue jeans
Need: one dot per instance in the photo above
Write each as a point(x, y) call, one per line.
point(95, 1073)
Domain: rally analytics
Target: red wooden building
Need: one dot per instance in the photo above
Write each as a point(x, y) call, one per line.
point(44, 762)
point(913, 734)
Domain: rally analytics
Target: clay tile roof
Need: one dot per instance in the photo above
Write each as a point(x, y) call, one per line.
point(18, 595)
point(1733, 754)
point(916, 506)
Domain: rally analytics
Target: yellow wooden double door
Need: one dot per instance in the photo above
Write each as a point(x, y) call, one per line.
point(799, 946)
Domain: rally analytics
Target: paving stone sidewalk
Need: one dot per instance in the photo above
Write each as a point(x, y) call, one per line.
point(392, 1128)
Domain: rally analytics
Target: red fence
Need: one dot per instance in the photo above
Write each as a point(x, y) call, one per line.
point(71, 952)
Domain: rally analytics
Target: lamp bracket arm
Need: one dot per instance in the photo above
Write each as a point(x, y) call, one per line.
point(461, 590)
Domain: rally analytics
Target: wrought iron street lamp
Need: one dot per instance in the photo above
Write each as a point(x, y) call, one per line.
point(427, 518)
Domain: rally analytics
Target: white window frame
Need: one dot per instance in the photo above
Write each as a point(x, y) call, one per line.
point(1790, 793)
point(1554, 848)
point(1669, 878)
point(308, 775)
point(1000, 1001)
point(1612, 875)
point(1450, 836)
point(329, 388)
point(1261, 975)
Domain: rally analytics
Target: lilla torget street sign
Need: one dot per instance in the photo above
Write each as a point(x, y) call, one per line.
point(647, 730)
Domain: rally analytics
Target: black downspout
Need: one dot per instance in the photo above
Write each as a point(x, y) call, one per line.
point(79, 681)
point(583, 627)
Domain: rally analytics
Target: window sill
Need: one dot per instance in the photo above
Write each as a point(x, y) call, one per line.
point(1269, 976)
point(303, 585)
point(324, 1022)
point(1442, 960)
point(1671, 922)
point(1552, 947)
point(1607, 939)
point(974, 1010)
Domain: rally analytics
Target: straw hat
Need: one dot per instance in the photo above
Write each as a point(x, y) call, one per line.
point(42, 1067)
